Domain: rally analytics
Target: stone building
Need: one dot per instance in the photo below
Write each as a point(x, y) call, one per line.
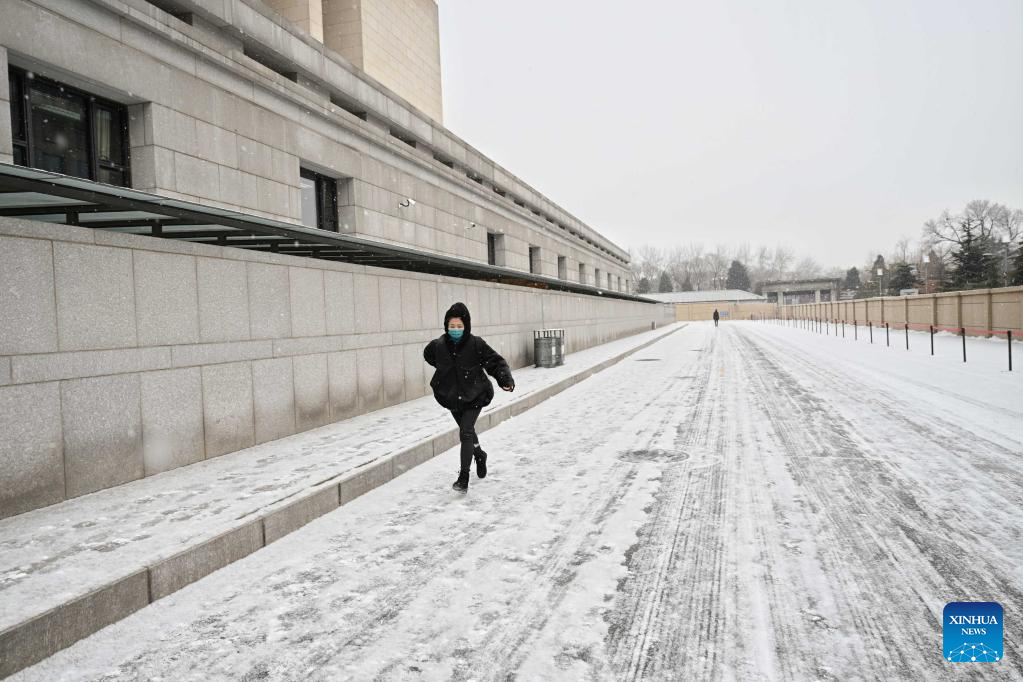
point(226, 221)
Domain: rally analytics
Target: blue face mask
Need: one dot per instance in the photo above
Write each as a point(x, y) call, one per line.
point(455, 334)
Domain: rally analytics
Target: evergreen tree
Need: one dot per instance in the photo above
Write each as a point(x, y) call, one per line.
point(972, 268)
point(852, 278)
point(1016, 278)
point(738, 277)
point(665, 284)
point(644, 286)
point(687, 285)
point(902, 277)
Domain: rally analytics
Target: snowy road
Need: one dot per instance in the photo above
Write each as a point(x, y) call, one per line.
point(748, 502)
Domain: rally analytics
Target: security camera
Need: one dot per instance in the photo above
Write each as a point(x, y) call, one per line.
point(407, 202)
point(471, 225)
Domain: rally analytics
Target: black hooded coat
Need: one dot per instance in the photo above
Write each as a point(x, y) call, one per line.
point(459, 381)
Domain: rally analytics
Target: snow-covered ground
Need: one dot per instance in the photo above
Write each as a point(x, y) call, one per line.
point(52, 555)
point(747, 502)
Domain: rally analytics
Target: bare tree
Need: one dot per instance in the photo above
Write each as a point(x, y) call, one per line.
point(781, 259)
point(806, 268)
point(901, 252)
point(1008, 223)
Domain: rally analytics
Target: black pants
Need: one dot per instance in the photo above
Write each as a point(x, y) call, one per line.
point(466, 420)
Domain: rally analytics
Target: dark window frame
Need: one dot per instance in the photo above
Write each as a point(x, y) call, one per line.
point(326, 199)
point(491, 248)
point(535, 264)
point(24, 145)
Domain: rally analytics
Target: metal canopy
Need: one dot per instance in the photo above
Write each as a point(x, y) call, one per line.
point(51, 197)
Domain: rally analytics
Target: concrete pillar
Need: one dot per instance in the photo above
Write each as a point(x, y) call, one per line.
point(6, 147)
point(988, 316)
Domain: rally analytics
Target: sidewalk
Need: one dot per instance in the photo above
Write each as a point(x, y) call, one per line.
point(70, 569)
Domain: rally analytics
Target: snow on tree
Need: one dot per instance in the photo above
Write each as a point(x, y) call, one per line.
point(902, 277)
point(738, 277)
point(664, 286)
point(852, 278)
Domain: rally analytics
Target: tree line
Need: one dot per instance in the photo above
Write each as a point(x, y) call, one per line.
point(980, 246)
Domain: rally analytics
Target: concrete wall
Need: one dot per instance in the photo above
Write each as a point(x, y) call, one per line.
point(210, 124)
point(978, 310)
point(685, 312)
point(123, 356)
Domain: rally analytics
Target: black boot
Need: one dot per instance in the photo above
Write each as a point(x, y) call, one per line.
point(481, 461)
point(462, 484)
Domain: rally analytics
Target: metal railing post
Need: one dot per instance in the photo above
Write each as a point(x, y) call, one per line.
point(887, 337)
point(1008, 334)
point(932, 339)
point(962, 330)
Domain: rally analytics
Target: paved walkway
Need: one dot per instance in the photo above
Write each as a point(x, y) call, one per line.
point(736, 503)
point(52, 556)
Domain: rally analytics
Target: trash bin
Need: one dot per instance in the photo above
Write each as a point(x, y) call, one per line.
point(548, 347)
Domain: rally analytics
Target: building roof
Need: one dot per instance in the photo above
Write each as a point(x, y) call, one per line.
point(723, 295)
point(34, 194)
point(797, 282)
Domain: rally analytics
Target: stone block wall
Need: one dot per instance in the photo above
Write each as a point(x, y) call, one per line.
point(123, 356)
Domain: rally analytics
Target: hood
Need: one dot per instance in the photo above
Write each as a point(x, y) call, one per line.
point(458, 310)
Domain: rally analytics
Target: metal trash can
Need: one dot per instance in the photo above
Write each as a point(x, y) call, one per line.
point(548, 347)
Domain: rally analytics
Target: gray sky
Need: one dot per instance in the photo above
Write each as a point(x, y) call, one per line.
point(834, 126)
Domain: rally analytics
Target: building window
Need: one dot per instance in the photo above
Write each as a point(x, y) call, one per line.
point(61, 129)
point(609, 280)
point(495, 248)
point(562, 267)
point(582, 273)
point(534, 260)
point(596, 277)
point(319, 200)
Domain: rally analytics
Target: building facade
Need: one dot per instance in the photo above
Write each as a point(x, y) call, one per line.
point(788, 292)
point(231, 105)
point(124, 355)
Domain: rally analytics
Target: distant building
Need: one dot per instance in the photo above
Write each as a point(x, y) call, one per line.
point(802, 290)
point(714, 296)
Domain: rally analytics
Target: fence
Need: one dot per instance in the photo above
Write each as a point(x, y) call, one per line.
point(828, 326)
point(983, 312)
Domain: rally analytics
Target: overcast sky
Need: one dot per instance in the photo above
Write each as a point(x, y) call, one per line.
point(833, 126)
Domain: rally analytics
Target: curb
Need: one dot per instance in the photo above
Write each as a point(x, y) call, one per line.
point(36, 639)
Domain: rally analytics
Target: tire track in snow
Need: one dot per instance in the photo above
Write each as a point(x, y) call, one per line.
point(872, 533)
point(644, 627)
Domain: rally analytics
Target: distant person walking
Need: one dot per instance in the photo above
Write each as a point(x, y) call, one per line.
point(460, 385)
point(716, 317)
